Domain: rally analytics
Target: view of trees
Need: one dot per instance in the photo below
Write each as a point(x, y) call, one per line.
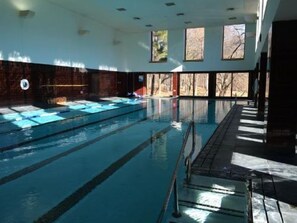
point(194, 84)
point(194, 48)
point(159, 84)
point(159, 45)
point(186, 85)
point(232, 84)
point(234, 40)
point(223, 84)
point(240, 84)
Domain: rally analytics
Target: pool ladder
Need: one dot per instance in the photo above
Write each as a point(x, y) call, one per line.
point(174, 184)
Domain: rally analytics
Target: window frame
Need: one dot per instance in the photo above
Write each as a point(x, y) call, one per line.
point(244, 47)
point(185, 46)
point(152, 48)
point(232, 74)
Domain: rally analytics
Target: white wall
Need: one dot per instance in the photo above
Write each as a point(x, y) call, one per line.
point(137, 53)
point(271, 9)
point(51, 37)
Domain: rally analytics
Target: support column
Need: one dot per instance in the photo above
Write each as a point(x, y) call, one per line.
point(262, 86)
point(175, 87)
point(212, 85)
point(255, 87)
point(282, 118)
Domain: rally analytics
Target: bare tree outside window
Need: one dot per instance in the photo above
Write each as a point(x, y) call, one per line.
point(240, 84)
point(186, 85)
point(234, 41)
point(223, 84)
point(194, 49)
point(159, 84)
point(201, 84)
point(159, 49)
point(232, 84)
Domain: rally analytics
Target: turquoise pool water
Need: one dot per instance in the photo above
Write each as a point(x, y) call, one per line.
point(96, 162)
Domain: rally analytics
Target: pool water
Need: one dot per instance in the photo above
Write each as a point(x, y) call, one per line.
point(97, 162)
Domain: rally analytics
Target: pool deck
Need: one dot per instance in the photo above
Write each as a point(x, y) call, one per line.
point(237, 151)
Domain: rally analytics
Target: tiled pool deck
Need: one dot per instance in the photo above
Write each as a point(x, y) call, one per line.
point(237, 151)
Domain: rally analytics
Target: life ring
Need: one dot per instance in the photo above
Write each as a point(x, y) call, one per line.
point(24, 84)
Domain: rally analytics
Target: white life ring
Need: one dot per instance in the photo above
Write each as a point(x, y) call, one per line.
point(24, 84)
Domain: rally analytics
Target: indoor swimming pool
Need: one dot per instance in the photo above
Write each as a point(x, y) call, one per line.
point(108, 161)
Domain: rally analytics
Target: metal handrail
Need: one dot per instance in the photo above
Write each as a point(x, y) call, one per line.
point(188, 160)
point(173, 183)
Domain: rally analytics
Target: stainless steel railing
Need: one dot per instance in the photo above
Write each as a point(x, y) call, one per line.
point(173, 183)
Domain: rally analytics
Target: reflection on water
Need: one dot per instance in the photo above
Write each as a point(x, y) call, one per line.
point(159, 147)
point(102, 144)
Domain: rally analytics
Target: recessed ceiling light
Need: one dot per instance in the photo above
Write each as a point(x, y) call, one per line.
point(180, 14)
point(136, 18)
point(188, 22)
point(26, 13)
point(230, 9)
point(232, 18)
point(121, 9)
point(149, 25)
point(170, 4)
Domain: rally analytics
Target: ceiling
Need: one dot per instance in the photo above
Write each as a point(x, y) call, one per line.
point(158, 15)
point(287, 10)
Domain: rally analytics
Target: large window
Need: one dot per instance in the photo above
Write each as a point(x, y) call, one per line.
point(194, 40)
point(223, 84)
point(232, 84)
point(186, 85)
point(159, 84)
point(234, 41)
point(194, 84)
point(240, 84)
point(201, 84)
point(159, 46)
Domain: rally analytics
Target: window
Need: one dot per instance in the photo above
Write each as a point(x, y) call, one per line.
point(234, 41)
point(223, 84)
point(159, 46)
point(240, 84)
point(232, 84)
point(267, 84)
point(201, 84)
point(159, 84)
point(194, 44)
point(194, 84)
point(186, 85)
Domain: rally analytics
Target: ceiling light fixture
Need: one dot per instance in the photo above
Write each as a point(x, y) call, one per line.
point(121, 9)
point(230, 9)
point(170, 4)
point(26, 13)
point(83, 32)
